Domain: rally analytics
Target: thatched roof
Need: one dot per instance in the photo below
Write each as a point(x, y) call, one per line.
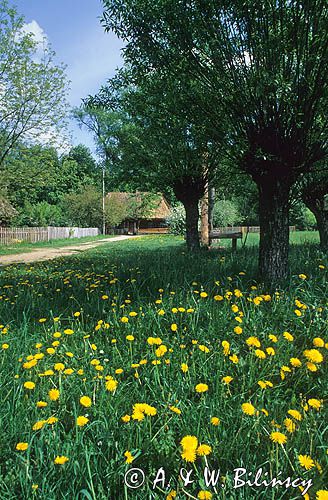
point(159, 208)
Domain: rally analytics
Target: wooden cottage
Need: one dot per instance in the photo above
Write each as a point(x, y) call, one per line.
point(144, 212)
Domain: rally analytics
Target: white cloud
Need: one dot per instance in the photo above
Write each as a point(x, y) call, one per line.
point(39, 34)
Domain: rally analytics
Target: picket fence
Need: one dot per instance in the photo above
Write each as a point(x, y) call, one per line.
point(10, 235)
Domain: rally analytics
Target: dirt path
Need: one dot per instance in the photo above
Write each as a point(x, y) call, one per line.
point(53, 253)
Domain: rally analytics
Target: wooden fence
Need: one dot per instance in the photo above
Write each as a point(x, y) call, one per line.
point(10, 235)
point(245, 229)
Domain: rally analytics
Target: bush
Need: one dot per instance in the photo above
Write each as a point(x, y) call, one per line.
point(84, 208)
point(41, 214)
point(225, 213)
point(177, 220)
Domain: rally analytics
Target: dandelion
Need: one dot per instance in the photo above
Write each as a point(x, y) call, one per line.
point(201, 388)
point(189, 442)
point(313, 355)
point(306, 461)
point(315, 403)
point(204, 495)
point(295, 414)
point(253, 342)
point(238, 330)
point(227, 379)
point(322, 495)
point(290, 425)
point(189, 455)
point(85, 401)
point(126, 418)
point(41, 404)
point(174, 327)
point(111, 385)
point(295, 362)
point(215, 421)
point(184, 367)
point(39, 425)
point(203, 450)
point(61, 460)
point(248, 408)
point(29, 385)
point(278, 437)
point(288, 336)
point(68, 331)
point(81, 421)
point(128, 457)
point(53, 394)
point(21, 446)
point(318, 342)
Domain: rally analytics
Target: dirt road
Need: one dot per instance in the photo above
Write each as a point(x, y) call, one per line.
point(48, 253)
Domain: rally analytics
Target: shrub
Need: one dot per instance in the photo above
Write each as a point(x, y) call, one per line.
point(225, 213)
point(177, 220)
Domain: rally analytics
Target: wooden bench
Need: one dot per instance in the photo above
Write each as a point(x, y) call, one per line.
point(218, 235)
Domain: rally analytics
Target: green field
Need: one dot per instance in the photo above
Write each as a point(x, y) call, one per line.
point(134, 328)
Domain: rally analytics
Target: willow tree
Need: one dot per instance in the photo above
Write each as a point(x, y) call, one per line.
point(314, 194)
point(267, 65)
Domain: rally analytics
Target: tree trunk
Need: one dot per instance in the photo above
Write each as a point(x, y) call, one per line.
point(322, 223)
point(204, 219)
point(320, 210)
point(192, 217)
point(189, 190)
point(274, 232)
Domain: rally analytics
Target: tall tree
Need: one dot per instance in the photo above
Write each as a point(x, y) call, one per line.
point(33, 89)
point(266, 64)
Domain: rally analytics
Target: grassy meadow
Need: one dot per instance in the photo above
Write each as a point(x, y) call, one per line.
point(140, 355)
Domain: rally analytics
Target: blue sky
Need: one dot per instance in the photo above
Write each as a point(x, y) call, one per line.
point(76, 35)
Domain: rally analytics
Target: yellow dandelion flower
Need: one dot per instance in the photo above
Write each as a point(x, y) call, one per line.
point(238, 330)
point(313, 355)
point(248, 408)
point(128, 457)
point(204, 495)
point(54, 394)
point(189, 455)
point(81, 421)
point(203, 450)
point(306, 461)
point(278, 437)
point(201, 388)
point(29, 385)
point(61, 460)
point(295, 414)
point(215, 421)
point(85, 401)
point(315, 403)
point(21, 446)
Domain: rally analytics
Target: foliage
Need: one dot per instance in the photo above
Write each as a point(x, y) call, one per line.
point(7, 211)
point(226, 213)
point(84, 208)
point(116, 210)
point(33, 89)
point(64, 330)
point(40, 214)
point(177, 220)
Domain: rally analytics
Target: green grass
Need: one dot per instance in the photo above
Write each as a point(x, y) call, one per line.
point(296, 237)
point(159, 280)
point(30, 247)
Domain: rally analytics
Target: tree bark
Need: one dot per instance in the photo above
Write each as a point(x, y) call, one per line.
point(192, 217)
point(274, 232)
point(189, 190)
point(320, 210)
